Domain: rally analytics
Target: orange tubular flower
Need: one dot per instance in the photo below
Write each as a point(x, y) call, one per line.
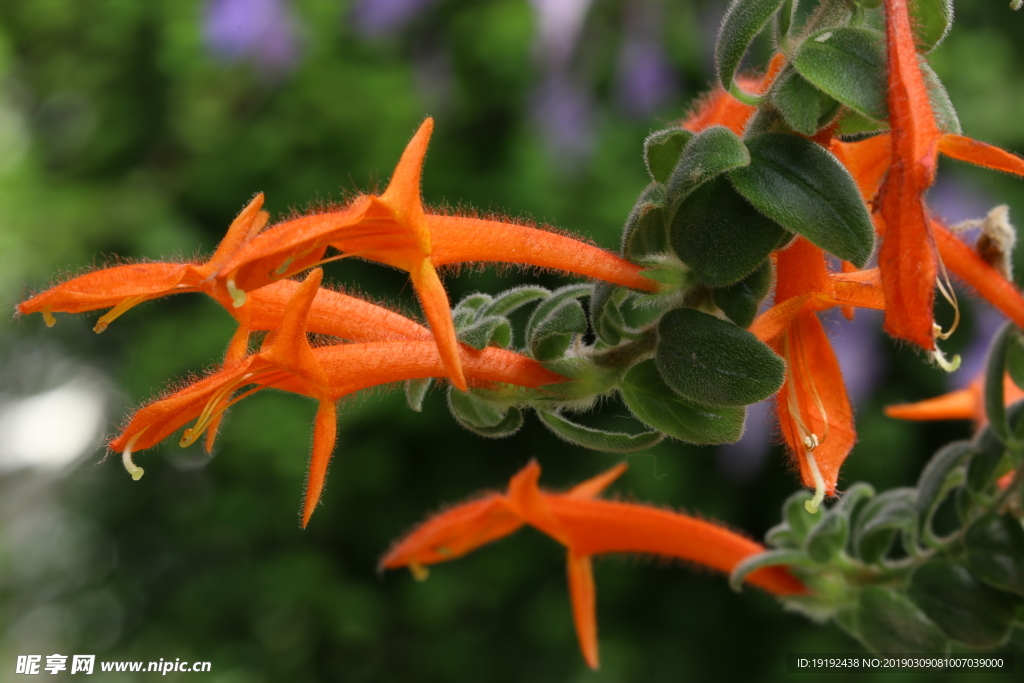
point(287, 361)
point(908, 258)
point(123, 287)
point(720, 108)
point(963, 404)
point(813, 410)
point(393, 228)
point(586, 527)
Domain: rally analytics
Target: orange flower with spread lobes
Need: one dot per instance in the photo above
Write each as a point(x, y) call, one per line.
point(393, 228)
point(586, 526)
point(123, 287)
point(908, 257)
point(286, 361)
point(813, 409)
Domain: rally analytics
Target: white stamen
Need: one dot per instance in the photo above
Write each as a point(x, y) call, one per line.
point(942, 362)
point(237, 295)
point(819, 486)
point(126, 458)
point(811, 441)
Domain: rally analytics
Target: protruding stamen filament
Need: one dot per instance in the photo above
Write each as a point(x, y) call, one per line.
point(814, 503)
point(940, 358)
point(126, 458)
point(116, 312)
point(218, 403)
point(237, 295)
point(946, 289)
point(419, 572)
point(811, 441)
point(48, 317)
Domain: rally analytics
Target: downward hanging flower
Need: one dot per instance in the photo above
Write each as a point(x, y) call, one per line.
point(393, 228)
point(287, 361)
point(586, 526)
point(813, 409)
point(908, 257)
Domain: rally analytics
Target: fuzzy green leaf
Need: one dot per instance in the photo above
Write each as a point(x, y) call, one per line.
point(827, 537)
point(799, 101)
point(712, 362)
point(962, 606)
point(931, 21)
point(888, 622)
point(662, 149)
point(805, 189)
point(416, 390)
point(555, 321)
point(770, 558)
point(488, 330)
point(849, 64)
point(743, 20)
point(513, 299)
point(995, 552)
point(708, 155)
point(720, 235)
point(597, 439)
point(740, 301)
point(645, 232)
point(656, 405)
point(938, 477)
point(881, 517)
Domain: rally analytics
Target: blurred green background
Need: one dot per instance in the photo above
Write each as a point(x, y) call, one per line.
point(137, 130)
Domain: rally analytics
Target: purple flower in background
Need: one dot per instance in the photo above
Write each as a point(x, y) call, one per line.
point(260, 31)
point(857, 344)
point(564, 113)
point(645, 79)
point(381, 17)
point(742, 461)
point(558, 28)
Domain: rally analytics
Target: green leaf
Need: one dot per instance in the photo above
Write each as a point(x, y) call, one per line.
point(513, 299)
point(942, 106)
point(785, 18)
point(662, 149)
point(657, 406)
point(781, 536)
point(798, 100)
point(1015, 360)
point(712, 362)
point(483, 417)
point(488, 330)
point(931, 21)
point(962, 606)
point(740, 301)
point(995, 371)
point(882, 516)
point(886, 621)
point(854, 123)
point(794, 511)
point(827, 537)
point(849, 64)
point(938, 478)
point(995, 552)
point(991, 452)
point(597, 439)
point(473, 410)
point(707, 156)
point(555, 321)
point(466, 310)
point(645, 232)
point(805, 189)
point(742, 22)
point(770, 558)
point(416, 390)
point(720, 235)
